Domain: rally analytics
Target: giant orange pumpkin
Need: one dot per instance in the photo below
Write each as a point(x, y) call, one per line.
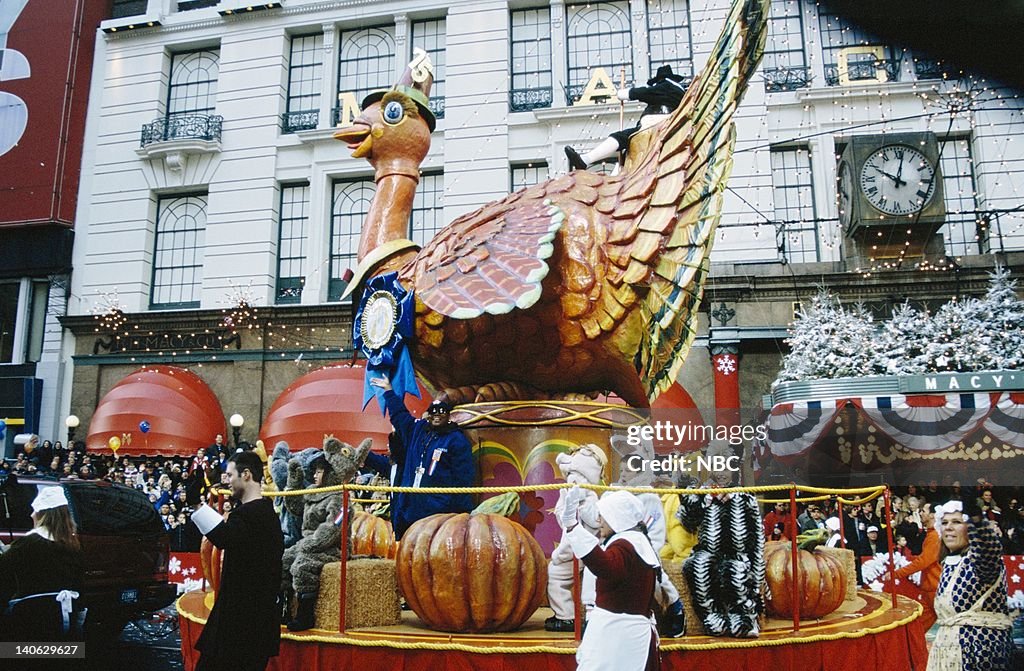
point(471, 573)
point(822, 581)
point(373, 536)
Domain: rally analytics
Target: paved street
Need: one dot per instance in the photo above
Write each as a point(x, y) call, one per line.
point(144, 646)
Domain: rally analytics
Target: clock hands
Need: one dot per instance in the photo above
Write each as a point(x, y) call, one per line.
point(895, 178)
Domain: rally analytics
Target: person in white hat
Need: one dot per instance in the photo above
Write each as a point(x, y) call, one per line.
point(43, 569)
point(621, 634)
point(832, 524)
point(874, 543)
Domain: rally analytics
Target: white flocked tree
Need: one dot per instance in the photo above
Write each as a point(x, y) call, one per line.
point(964, 335)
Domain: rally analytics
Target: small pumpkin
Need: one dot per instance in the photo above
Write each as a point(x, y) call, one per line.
point(211, 558)
point(471, 573)
point(372, 536)
point(822, 581)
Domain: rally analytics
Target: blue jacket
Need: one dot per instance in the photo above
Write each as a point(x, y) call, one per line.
point(446, 457)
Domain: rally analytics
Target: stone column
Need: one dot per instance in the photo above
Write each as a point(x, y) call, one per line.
point(328, 77)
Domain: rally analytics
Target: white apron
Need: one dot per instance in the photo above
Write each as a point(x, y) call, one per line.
point(615, 642)
point(946, 654)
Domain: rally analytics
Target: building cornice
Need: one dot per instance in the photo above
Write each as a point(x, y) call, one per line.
point(175, 23)
point(775, 282)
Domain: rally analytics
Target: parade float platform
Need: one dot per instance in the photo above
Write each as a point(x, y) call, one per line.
point(867, 632)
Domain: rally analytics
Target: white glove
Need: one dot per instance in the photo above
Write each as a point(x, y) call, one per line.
point(569, 516)
point(623, 94)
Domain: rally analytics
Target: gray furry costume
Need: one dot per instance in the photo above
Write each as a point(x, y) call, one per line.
point(319, 545)
point(290, 508)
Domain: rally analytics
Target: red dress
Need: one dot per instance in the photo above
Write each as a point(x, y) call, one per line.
point(624, 590)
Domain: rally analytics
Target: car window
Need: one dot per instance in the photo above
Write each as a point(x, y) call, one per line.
point(113, 509)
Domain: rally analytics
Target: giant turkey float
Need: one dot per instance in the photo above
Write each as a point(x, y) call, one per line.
point(522, 314)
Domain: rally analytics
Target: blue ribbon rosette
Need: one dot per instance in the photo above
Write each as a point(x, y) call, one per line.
point(383, 326)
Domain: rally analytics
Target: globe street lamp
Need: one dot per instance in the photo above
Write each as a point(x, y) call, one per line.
point(236, 421)
point(72, 423)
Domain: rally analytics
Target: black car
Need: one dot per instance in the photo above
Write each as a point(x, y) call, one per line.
point(124, 545)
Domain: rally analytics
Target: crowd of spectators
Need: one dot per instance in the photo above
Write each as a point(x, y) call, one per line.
point(863, 527)
point(175, 485)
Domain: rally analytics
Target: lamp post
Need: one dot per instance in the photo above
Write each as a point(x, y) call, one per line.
point(72, 423)
point(236, 421)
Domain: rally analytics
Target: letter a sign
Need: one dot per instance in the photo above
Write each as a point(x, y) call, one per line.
point(599, 89)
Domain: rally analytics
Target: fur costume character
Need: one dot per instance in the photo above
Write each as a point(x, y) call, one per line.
point(633, 455)
point(583, 465)
point(319, 545)
point(727, 568)
point(290, 507)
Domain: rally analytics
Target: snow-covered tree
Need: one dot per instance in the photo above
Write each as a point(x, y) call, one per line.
point(827, 341)
point(959, 340)
point(858, 344)
point(963, 335)
point(1004, 313)
point(901, 342)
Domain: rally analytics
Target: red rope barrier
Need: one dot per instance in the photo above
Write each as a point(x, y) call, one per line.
point(795, 559)
point(577, 601)
point(888, 533)
point(842, 527)
point(343, 569)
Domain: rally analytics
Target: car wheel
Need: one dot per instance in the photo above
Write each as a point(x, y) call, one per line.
point(104, 628)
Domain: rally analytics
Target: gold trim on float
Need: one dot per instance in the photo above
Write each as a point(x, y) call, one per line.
point(505, 645)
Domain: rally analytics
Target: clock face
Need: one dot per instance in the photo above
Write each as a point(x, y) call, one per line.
point(845, 193)
point(898, 180)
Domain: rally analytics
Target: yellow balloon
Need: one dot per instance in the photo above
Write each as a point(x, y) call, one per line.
point(114, 443)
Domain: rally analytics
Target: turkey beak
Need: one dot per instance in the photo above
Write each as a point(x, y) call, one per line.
point(358, 138)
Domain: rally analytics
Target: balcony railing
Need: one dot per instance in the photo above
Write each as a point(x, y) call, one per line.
point(524, 100)
point(293, 121)
point(933, 68)
point(786, 79)
point(185, 5)
point(574, 91)
point(436, 106)
point(183, 127)
point(289, 290)
point(125, 8)
point(864, 71)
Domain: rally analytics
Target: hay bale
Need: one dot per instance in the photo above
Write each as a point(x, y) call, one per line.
point(848, 560)
point(371, 597)
point(674, 571)
point(694, 624)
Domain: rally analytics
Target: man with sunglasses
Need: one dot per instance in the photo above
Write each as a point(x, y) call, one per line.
point(430, 452)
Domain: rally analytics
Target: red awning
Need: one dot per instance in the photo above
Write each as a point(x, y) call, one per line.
point(180, 409)
point(675, 406)
point(329, 401)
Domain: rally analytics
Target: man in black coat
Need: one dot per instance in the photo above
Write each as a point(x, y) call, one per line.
point(243, 630)
point(213, 451)
point(874, 543)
